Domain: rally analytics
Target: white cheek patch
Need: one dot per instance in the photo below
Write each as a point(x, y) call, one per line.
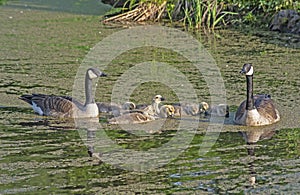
point(250, 72)
point(37, 109)
point(92, 75)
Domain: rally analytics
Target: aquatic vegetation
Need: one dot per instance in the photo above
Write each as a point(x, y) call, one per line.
point(2, 2)
point(194, 13)
point(200, 14)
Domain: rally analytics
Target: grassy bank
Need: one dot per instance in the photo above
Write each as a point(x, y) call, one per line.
point(208, 14)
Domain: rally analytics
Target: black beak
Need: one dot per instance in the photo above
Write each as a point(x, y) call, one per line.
point(246, 68)
point(242, 71)
point(162, 99)
point(102, 74)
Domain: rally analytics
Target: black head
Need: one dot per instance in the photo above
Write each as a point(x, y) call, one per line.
point(247, 69)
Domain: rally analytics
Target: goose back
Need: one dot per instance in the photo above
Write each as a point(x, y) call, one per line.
point(50, 105)
point(264, 113)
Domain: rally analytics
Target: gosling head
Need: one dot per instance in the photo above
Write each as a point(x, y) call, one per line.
point(128, 106)
point(168, 111)
point(247, 70)
point(203, 106)
point(158, 99)
point(93, 73)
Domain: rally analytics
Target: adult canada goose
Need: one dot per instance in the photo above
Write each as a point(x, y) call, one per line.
point(215, 110)
point(65, 106)
point(255, 110)
point(138, 116)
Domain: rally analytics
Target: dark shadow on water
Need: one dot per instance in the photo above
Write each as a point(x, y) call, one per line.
point(49, 123)
point(288, 40)
point(26, 118)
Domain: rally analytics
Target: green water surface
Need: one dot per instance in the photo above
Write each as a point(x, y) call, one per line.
point(42, 47)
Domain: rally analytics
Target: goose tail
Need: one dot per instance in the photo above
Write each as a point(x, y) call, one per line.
point(27, 98)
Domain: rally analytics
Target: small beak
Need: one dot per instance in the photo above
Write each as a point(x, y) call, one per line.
point(162, 99)
point(242, 71)
point(171, 116)
point(102, 74)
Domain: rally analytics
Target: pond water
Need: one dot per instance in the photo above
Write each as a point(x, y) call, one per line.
point(43, 46)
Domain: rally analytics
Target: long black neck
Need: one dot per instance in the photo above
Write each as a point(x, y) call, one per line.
point(88, 90)
point(249, 101)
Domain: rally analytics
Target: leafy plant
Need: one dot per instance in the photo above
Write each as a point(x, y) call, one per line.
point(2, 2)
point(206, 14)
point(201, 13)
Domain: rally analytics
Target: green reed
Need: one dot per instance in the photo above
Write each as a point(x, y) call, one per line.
point(206, 14)
point(210, 14)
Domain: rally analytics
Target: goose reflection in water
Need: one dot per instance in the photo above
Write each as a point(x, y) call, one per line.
point(252, 136)
point(88, 129)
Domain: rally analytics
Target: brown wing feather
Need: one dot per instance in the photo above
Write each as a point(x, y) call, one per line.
point(265, 106)
point(241, 110)
point(51, 105)
point(58, 106)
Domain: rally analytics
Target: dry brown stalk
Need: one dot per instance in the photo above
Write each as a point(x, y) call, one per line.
point(144, 12)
